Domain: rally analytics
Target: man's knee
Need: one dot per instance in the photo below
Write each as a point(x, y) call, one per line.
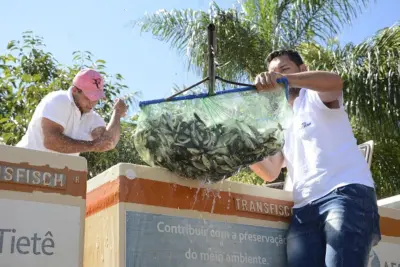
point(348, 239)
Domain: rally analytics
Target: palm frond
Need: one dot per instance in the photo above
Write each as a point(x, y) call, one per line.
point(184, 30)
point(246, 34)
point(238, 42)
point(303, 20)
point(385, 160)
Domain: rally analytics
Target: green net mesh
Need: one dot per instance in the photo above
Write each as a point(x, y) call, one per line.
point(212, 138)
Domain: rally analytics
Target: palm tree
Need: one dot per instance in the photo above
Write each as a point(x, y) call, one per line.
point(247, 32)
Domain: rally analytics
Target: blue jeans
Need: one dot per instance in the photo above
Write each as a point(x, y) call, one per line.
point(337, 230)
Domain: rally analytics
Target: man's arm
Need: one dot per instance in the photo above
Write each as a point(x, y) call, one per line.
point(269, 168)
point(113, 129)
point(329, 85)
point(97, 132)
point(114, 126)
point(55, 140)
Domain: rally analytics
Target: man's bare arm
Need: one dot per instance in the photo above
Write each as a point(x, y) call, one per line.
point(97, 132)
point(113, 129)
point(329, 85)
point(269, 168)
point(55, 140)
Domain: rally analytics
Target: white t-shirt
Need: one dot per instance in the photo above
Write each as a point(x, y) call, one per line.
point(320, 150)
point(60, 107)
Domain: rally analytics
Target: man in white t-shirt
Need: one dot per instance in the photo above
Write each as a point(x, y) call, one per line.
point(335, 218)
point(65, 122)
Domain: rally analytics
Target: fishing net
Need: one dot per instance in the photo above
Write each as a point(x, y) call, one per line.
point(211, 138)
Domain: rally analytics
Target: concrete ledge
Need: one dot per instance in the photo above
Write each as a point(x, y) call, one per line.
point(133, 171)
point(39, 158)
point(390, 202)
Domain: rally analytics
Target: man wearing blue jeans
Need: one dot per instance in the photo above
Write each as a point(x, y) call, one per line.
point(335, 215)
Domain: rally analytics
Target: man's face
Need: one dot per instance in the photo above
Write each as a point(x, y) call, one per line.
point(283, 65)
point(83, 102)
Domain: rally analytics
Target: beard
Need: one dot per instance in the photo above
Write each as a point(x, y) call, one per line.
point(80, 107)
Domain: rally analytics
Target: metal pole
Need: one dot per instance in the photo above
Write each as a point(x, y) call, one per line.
point(187, 89)
point(212, 50)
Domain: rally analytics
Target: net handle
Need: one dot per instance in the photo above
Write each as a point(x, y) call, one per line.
point(248, 87)
point(285, 82)
point(282, 80)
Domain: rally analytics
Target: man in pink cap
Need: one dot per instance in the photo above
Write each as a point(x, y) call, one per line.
point(65, 122)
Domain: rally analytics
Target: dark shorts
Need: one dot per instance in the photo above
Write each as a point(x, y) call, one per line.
point(336, 230)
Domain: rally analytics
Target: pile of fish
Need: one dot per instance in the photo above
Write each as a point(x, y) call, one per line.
point(191, 149)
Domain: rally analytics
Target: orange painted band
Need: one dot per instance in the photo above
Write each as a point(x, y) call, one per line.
point(74, 184)
point(163, 194)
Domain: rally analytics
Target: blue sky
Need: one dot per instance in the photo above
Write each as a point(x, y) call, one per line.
point(148, 65)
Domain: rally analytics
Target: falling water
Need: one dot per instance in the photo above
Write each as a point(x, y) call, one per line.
point(213, 205)
point(229, 197)
point(206, 193)
point(174, 186)
point(197, 193)
point(216, 194)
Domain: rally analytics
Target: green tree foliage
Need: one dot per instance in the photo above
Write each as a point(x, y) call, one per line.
point(385, 160)
point(28, 72)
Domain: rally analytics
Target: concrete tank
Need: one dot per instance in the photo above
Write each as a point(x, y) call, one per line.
point(42, 207)
point(142, 216)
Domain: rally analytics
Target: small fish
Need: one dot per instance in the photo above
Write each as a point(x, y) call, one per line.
point(230, 162)
point(221, 150)
point(199, 166)
point(194, 151)
point(205, 161)
point(191, 149)
point(225, 168)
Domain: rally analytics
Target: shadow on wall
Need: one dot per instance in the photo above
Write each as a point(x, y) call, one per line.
point(374, 259)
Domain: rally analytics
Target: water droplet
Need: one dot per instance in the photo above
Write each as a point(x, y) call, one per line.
point(229, 197)
point(195, 196)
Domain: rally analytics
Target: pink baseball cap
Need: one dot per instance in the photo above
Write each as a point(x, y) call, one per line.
point(91, 83)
